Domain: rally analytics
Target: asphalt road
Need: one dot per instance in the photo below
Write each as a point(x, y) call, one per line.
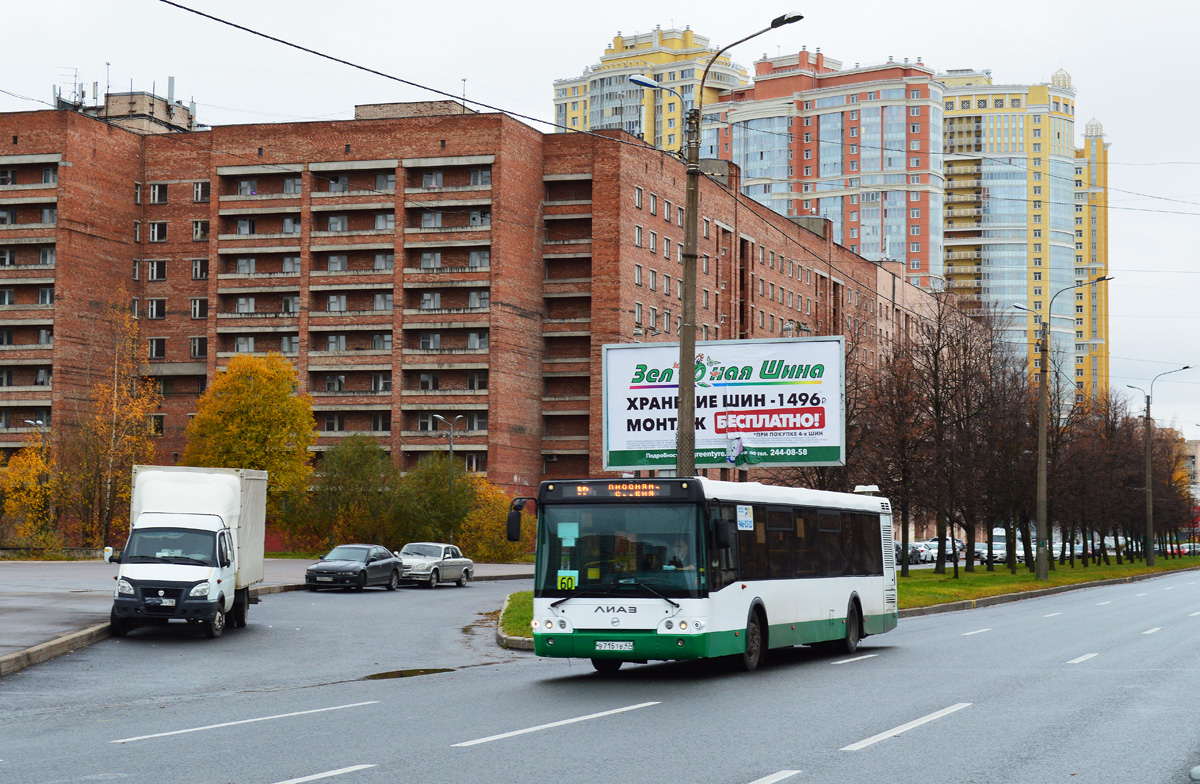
point(1095, 685)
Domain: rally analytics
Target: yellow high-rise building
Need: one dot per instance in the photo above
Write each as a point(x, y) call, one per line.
point(603, 97)
point(1025, 218)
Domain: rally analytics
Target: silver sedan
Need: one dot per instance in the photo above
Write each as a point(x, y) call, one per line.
point(430, 563)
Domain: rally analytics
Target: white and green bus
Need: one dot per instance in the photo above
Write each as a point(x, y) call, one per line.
point(638, 570)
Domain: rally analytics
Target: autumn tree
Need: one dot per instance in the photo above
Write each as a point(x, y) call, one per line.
point(483, 535)
point(30, 490)
point(252, 416)
point(353, 498)
point(108, 434)
point(435, 498)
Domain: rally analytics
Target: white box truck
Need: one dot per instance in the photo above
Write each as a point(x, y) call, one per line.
point(195, 547)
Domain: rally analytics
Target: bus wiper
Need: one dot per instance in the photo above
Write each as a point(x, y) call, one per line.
point(650, 590)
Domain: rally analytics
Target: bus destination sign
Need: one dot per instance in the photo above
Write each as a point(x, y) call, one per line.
point(618, 489)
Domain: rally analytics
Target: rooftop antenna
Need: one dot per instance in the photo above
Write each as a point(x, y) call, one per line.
point(464, 100)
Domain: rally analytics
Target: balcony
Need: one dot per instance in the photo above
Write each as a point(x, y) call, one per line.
point(956, 184)
point(446, 270)
point(350, 393)
point(445, 311)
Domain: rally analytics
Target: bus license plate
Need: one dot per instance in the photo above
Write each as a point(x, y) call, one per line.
point(614, 646)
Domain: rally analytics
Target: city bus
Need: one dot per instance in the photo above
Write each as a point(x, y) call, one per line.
point(634, 570)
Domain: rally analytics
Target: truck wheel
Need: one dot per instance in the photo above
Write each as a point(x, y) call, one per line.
point(119, 626)
point(237, 618)
point(216, 627)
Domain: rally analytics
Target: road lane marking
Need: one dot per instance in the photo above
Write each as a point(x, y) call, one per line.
point(977, 631)
point(1152, 631)
point(553, 724)
point(1140, 594)
point(862, 744)
point(1101, 604)
point(1083, 658)
point(847, 661)
point(244, 721)
point(774, 777)
point(1169, 588)
point(1051, 615)
point(326, 775)
point(1193, 615)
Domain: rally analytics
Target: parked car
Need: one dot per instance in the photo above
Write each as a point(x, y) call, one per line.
point(921, 553)
point(355, 566)
point(430, 563)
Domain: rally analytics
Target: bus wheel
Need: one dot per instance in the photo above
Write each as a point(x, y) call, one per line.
point(752, 657)
point(853, 630)
point(606, 666)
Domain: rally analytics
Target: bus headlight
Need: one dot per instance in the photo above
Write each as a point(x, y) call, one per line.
point(683, 626)
point(550, 624)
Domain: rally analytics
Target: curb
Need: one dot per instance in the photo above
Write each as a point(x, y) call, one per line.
point(511, 643)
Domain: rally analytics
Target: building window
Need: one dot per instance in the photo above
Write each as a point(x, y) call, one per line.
point(289, 304)
point(385, 261)
point(245, 226)
point(431, 300)
point(478, 259)
point(335, 382)
point(199, 269)
point(245, 266)
point(477, 340)
point(431, 220)
point(385, 182)
point(156, 270)
point(381, 422)
point(477, 380)
point(292, 186)
point(637, 197)
point(637, 236)
point(335, 303)
point(156, 308)
point(382, 341)
point(244, 305)
point(339, 223)
point(335, 423)
point(158, 231)
point(199, 308)
point(291, 225)
point(431, 179)
point(428, 381)
point(339, 183)
point(385, 221)
point(481, 176)
point(383, 301)
point(247, 187)
point(158, 193)
point(431, 260)
point(199, 230)
point(199, 347)
point(335, 342)
point(158, 348)
point(479, 299)
point(291, 265)
point(481, 217)
point(337, 263)
point(431, 341)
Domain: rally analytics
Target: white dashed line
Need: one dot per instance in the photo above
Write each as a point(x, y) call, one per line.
point(1051, 615)
point(774, 777)
point(1169, 588)
point(1101, 604)
point(1083, 658)
point(977, 631)
point(245, 721)
point(553, 724)
point(1140, 594)
point(847, 661)
point(1193, 615)
point(1152, 631)
point(326, 775)
point(862, 744)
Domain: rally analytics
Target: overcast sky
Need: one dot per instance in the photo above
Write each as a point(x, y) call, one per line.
point(1133, 66)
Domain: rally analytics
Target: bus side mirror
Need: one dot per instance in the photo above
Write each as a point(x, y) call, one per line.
point(514, 526)
point(723, 540)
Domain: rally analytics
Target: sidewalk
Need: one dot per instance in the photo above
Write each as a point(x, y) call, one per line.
point(48, 608)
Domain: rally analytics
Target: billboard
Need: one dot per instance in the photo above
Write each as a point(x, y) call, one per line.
point(758, 402)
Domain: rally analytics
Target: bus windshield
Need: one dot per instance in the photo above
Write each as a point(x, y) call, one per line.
point(620, 550)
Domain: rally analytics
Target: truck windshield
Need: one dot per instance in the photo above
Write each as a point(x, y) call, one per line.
point(620, 550)
point(170, 545)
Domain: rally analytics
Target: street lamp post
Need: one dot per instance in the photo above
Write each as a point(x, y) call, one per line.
point(685, 444)
point(1149, 425)
point(1043, 518)
point(450, 423)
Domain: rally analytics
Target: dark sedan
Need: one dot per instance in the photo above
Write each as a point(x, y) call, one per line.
point(355, 566)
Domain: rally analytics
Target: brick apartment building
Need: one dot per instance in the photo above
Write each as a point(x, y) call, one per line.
point(416, 261)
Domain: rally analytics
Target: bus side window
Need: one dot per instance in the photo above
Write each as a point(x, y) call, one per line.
point(726, 570)
point(829, 538)
point(779, 542)
point(807, 563)
point(752, 548)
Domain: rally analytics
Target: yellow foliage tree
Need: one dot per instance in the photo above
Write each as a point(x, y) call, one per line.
point(483, 534)
point(29, 488)
point(252, 417)
point(109, 434)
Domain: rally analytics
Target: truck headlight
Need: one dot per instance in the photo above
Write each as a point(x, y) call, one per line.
point(199, 589)
point(123, 586)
